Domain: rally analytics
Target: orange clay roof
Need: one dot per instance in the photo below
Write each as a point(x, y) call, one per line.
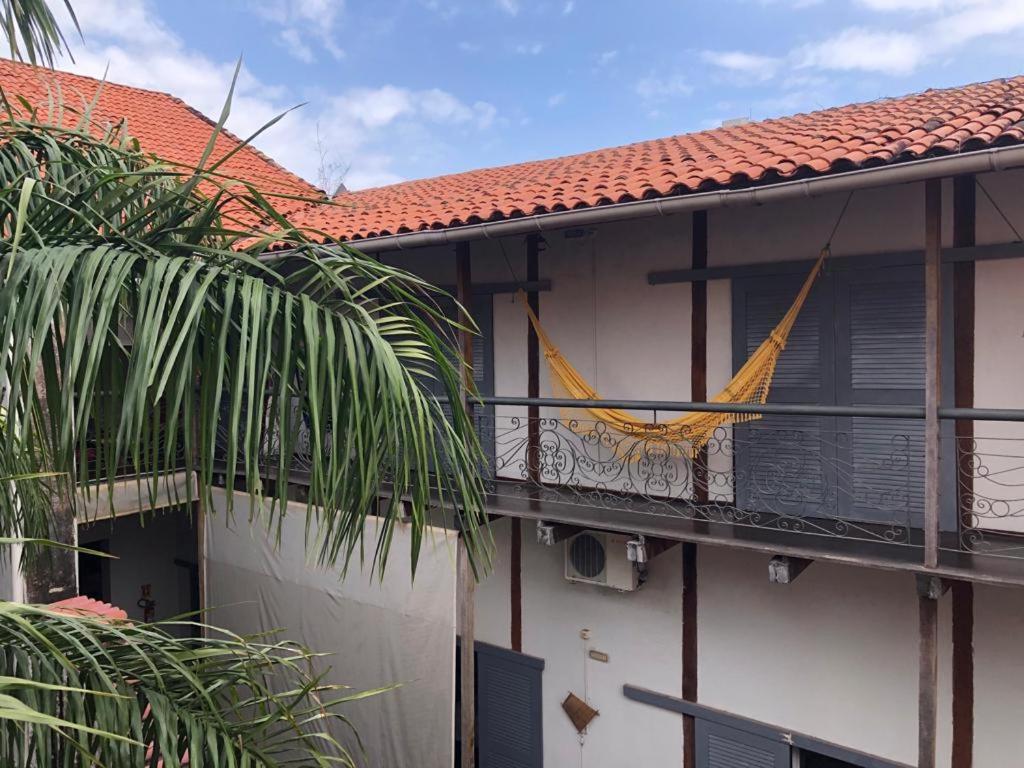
point(89, 608)
point(935, 122)
point(164, 125)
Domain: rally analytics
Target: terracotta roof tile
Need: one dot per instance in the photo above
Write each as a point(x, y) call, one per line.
point(164, 125)
point(90, 608)
point(831, 140)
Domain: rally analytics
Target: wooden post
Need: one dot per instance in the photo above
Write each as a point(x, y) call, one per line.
point(928, 670)
point(698, 393)
point(964, 235)
point(516, 585)
point(933, 368)
point(533, 246)
point(466, 580)
point(699, 343)
point(533, 361)
point(689, 650)
point(467, 662)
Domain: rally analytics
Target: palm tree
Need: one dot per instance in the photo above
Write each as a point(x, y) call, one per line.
point(145, 319)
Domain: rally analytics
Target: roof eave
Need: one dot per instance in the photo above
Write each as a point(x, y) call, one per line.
point(976, 161)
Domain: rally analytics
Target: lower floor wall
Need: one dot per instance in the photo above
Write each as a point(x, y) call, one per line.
point(378, 631)
point(834, 655)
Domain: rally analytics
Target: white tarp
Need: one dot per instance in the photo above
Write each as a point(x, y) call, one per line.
point(380, 632)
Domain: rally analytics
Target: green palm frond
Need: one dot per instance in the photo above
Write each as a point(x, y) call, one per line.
point(32, 31)
point(147, 333)
point(80, 691)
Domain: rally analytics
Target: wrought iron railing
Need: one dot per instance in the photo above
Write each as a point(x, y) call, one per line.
point(849, 474)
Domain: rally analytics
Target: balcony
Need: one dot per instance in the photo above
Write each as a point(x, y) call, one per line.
point(840, 483)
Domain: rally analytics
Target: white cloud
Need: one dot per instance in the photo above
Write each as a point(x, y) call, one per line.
point(569, 7)
point(467, 47)
point(290, 39)
point(556, 99)
point(740, 62)
point(302, 22)
point(511, 7)
point(445, 10)
point(655, 88)
point(940, 28)
point(903, 6)
point(607, 57)
point(372, 129)
point(529, 49)
point(867, 50)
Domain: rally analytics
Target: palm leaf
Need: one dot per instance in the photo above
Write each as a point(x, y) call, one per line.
point(147, 335)
point(78, 691)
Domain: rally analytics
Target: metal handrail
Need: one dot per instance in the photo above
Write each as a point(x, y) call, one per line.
point(782, 409)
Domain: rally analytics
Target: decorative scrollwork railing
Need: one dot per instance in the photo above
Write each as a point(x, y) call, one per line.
point(850, 473)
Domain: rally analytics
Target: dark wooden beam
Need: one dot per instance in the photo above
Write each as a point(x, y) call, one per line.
point(971, 253)
point(689, 650)
point(757, 728)
point(466, 580)
point(464, 295)
point(928, 668)
point(783, 569)
point(964, 236)
point(533, 247)
point(466, 590)
point(928, 658)
point(516, 585)
point(699, 342)
point(698, 391)
point(933, 368)
point(963, 675)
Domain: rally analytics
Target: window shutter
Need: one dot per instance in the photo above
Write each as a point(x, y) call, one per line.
point(880, 331)
point(782, 462)
point(509, 716)
point(719, 746)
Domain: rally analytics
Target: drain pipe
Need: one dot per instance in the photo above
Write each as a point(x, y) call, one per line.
point(981, 161)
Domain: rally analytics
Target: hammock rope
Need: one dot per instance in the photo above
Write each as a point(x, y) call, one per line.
point(689, 433)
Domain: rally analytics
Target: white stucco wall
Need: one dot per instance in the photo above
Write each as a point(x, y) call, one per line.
point(833, 655)
point(998, 676)
point(642, 634)
point(493, 591)
point(640, 631)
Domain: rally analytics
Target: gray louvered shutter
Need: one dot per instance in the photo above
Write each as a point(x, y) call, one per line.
point(719, 746)
point(509, 716)
point(783, 462)
point(880, 329)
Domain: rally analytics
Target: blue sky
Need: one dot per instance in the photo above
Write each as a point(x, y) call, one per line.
point(401, 89)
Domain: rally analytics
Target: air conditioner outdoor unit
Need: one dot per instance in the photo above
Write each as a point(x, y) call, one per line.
point(595, 557)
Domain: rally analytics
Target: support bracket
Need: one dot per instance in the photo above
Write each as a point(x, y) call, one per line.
point(642, 549)
point(931, 587)
point(550, 534)
point(783, 569)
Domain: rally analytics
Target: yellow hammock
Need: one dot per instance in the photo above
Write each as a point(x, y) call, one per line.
point(750, 384)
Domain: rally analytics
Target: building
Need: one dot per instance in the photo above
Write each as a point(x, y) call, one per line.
point(164, 125)
point(834, 584)
point(893, 543)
